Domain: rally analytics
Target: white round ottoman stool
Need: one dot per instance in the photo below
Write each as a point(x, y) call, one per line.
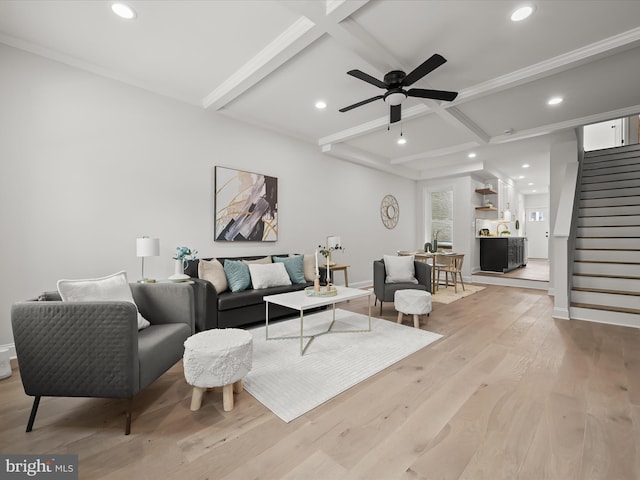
point(412, 302)
point(217, 358)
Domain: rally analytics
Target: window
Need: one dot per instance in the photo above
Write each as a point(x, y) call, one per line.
point(442, 216)
point(536, 216)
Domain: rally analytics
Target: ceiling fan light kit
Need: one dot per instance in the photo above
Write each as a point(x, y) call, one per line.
point(395, 80)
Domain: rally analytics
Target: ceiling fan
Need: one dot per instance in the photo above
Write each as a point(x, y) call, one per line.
point(394, 82)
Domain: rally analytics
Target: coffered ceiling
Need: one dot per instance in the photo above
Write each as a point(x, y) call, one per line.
point(268, 62)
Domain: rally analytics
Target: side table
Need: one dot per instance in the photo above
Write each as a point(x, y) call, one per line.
point(339, 267)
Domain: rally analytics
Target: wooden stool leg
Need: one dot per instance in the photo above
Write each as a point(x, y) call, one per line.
point(416, 321)
point(196, 398)
point(237, 387)
point(399, 317)
point(227, 397)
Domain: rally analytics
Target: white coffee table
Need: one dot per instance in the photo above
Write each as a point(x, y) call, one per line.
point(301, 301)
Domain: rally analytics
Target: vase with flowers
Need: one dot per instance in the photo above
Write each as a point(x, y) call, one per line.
point(326, 253)
point(183, 254)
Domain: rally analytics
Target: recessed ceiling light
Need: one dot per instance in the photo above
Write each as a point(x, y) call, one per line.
point(520, 177)
point(530, 183)
point(402, 141)
point(526, 165)
point(123, 11)
point(521, 13)
point(472, 155)
point(534, 191)
point(320, 105)
point(555, 101)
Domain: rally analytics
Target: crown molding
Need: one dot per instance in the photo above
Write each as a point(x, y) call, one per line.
point(560, 63)
point(95, 69)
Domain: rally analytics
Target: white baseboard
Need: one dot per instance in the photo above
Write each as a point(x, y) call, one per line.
point(12, 349)
point(561, 314)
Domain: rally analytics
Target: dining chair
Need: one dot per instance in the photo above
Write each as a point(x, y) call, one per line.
point(450, 264)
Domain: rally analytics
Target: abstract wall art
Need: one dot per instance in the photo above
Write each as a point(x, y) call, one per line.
point(246, 206)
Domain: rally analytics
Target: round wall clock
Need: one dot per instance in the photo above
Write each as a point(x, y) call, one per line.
point(389, 211)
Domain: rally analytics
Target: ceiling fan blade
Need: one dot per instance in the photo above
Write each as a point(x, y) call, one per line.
point(433, 94)
point(367, 78)
point(395, 114)
point(359, 104)
point(421, 70)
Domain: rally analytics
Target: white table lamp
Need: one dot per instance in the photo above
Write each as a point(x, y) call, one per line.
point(147, 247)
point(333, 241)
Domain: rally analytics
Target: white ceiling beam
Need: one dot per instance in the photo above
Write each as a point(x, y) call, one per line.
point(360, 157)
point(451, 170)
point(434, 153)
point(284, 47)
point(377, 124)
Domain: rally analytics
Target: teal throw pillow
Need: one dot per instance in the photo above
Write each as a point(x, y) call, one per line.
point(294, 266)
point(238, 276)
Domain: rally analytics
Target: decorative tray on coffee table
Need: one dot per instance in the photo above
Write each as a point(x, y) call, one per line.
point(311, 292)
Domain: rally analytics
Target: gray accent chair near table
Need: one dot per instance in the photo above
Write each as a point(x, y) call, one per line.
point(94, 349)
point(385, 291)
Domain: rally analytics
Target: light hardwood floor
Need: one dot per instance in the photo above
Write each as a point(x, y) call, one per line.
point(507, 393)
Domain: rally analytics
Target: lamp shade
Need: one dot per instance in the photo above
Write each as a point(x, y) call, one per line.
point(333, 241)
point(147, 247)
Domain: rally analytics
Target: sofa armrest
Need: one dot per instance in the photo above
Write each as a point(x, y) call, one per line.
point(165, 303)
point(423, 274)
point(379, 277)
point(206, 299)
point(77, 349)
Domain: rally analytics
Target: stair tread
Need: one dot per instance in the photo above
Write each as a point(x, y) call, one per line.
point(602, 290)
point(607, 262)
point(601, 275)
point(607, 308)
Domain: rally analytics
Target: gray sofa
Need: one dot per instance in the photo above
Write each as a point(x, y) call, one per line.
point(236, 309)
point(94, 349)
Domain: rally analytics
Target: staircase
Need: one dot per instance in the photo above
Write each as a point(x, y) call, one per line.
point(606, 267)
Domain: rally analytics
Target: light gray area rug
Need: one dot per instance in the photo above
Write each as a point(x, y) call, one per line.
point(290, 385)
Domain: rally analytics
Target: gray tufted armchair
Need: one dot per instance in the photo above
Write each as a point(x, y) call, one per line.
point(385, 291)
point(94, 349)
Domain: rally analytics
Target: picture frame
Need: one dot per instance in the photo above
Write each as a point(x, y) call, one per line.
point(245, 206)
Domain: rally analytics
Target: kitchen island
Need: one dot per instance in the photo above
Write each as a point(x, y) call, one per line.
point(502, 254)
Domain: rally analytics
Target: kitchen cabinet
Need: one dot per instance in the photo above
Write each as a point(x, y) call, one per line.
point(502, 254)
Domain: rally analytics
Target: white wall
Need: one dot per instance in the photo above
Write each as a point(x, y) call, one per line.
point(88, 164)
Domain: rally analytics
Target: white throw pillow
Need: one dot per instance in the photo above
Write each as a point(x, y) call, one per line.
point(400, 269)
point(213, 271)
point(113, 288)
point(269, 275)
